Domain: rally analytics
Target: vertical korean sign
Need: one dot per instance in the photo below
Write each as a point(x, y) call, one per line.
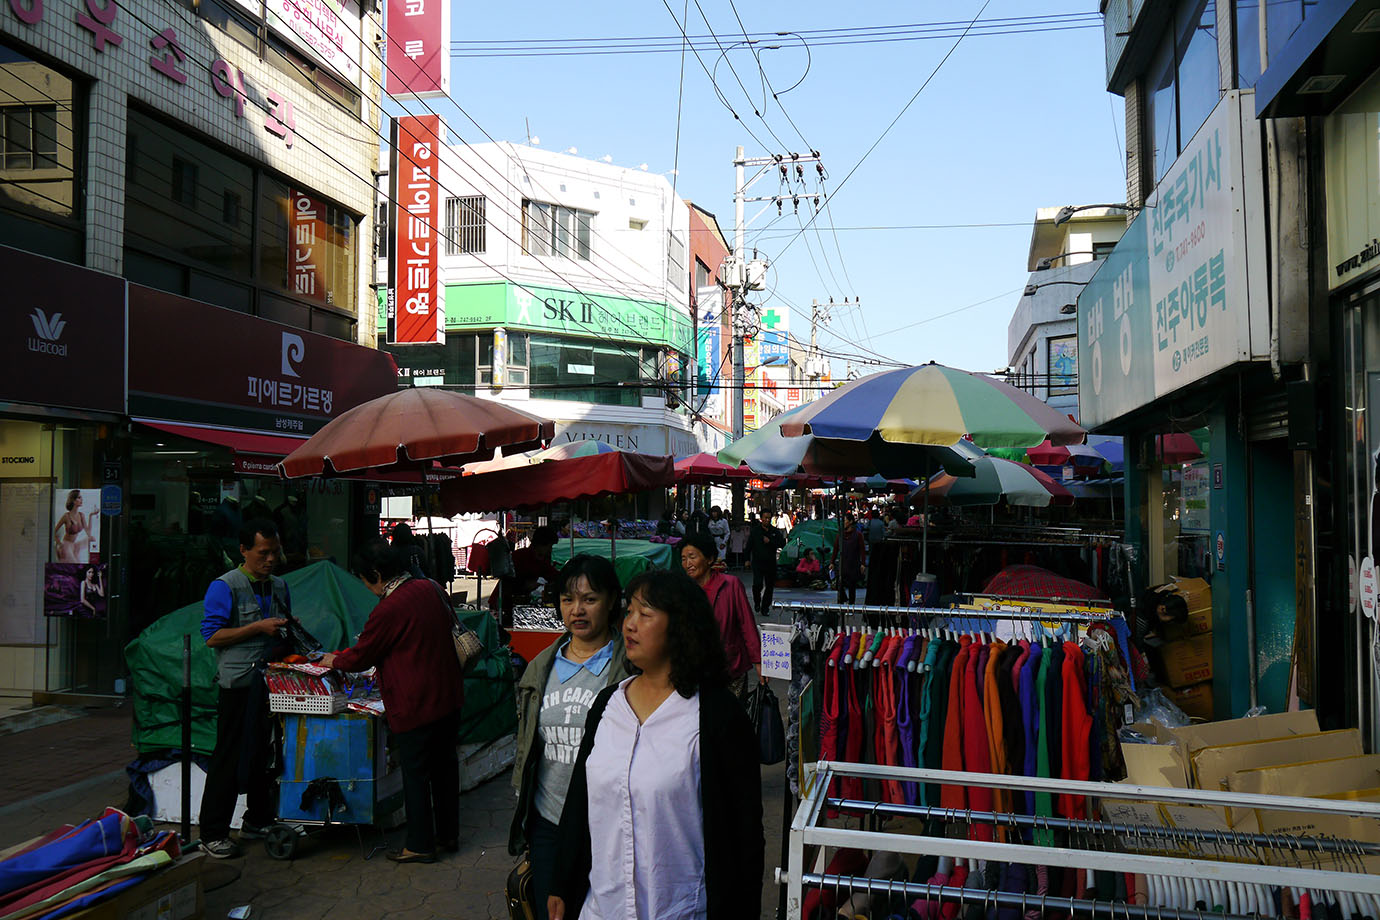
point(416, 310)
point(306, 253)
point(418, 54)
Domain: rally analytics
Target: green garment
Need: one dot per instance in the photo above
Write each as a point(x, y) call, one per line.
point(1044, 803)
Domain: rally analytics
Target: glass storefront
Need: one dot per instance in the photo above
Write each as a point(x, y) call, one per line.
point(62, 604)
point(1177, 506)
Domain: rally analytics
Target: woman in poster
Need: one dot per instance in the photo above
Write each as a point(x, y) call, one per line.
point(73, 532)
point(92, 592)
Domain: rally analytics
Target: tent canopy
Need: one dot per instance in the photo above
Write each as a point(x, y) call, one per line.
point(528, 485)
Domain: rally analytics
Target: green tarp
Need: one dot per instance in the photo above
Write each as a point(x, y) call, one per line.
point(490, 700)
point(819, 536)
point(633, 556)
point(333, 605)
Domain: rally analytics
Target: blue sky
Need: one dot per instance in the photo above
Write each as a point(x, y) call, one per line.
point(1009, 123)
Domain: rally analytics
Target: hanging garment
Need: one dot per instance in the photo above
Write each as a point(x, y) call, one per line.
point(887, 742)
point(953, 753)
point(937, 705)
point(1030, 718)
point(1077, 727)
point(907, 714)
point(1044, 804)
point(833, 720)
point(977, 757)
point(851, 787)
point(992, 717)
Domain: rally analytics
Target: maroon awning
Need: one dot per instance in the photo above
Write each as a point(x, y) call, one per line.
point(556, 481)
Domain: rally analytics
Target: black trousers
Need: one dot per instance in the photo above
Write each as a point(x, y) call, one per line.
point(848, 588)
point(241, 762)
point(431, 782)
point(763, 585)
point(545, 838)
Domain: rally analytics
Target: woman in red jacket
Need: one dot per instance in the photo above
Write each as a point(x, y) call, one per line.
point(408, 639)
point(728, 598)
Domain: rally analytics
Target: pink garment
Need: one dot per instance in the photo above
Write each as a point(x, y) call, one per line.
point(733, 613)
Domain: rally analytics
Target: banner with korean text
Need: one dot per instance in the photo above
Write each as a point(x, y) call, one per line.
point(416, 311)
point(418, 55)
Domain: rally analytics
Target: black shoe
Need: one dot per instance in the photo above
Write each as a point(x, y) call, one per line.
point(252, 831)
point(450, 846)
point(402, 856)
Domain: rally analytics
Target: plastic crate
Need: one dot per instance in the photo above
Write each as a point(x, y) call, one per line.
point(311, 704)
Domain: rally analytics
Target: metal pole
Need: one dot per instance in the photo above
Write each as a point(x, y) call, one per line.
point(186, 739)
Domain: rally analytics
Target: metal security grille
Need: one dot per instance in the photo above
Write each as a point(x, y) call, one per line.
point(464, 230)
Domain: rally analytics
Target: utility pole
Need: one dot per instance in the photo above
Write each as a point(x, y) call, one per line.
point(741, 274)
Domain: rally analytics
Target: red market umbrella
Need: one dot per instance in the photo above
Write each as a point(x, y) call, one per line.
point(702, 469)
point(410, 429)
point(543, 483)
point(1177, 448)
point(1031, 581)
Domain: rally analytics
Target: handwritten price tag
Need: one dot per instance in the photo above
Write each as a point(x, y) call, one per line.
point(776, 651)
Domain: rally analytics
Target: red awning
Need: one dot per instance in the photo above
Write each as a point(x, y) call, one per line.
point(536, 484)
point(242, 442)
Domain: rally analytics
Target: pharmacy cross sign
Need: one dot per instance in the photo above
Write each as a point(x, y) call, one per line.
point(770, 319)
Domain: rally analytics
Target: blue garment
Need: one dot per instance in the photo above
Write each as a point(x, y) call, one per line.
point(218, 603)
point(1123, 642)
point(594, 664)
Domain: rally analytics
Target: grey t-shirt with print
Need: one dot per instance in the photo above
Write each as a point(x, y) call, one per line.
point(561, 725)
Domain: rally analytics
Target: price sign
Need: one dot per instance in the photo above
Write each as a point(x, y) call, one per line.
point(776, 651)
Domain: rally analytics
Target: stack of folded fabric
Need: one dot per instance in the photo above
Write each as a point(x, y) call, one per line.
point(75, 867)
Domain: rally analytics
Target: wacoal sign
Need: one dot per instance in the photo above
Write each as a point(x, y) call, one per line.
point(64, 344)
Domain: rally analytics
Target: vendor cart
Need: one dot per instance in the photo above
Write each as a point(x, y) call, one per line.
point(336, 769)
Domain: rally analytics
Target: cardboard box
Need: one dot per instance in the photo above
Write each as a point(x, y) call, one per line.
point(1365, 830)
point(1197, 594)
point(1195, 701)
point(1310, 778)
point(1187, 661)
point(175, 893)
point(1212, 767)
point(1169, 762)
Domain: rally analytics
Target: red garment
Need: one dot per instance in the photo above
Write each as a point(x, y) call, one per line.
point(851, 787)
point(408, 639)
point(737, 626)
point(1077, 727)
point(949, 910)
point(884, 711)
point(952, 755)
point(830, 745)
point(977, 757)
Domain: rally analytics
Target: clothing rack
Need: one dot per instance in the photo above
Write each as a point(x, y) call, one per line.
point(807, 830)
point(949, 613)
point(1032, 599)
point(1021, 901)
point(1229, 838)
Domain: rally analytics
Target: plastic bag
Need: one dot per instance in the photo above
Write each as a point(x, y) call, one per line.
point(1157, 708)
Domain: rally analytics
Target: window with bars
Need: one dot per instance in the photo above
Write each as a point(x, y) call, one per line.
point(553, 230)
point(464, 226)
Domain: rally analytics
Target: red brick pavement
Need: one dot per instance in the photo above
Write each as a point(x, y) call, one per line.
point(50, 757)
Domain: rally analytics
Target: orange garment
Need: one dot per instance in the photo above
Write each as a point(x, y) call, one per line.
point(884, 711)
point(952, 755)
point(991, 707)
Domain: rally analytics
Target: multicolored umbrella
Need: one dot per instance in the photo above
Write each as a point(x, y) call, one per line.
point(768, 453)
point(999, 479)
point(572, 449)
point(933, 405)
point(702, 469)
point(1047, 454)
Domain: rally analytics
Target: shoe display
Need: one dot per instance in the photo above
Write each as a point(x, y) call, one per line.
point(403, 856)
point(250, 831)
point(224, 848)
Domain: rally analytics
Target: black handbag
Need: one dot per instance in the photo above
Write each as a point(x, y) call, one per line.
point(520, 906)
point(765, 711)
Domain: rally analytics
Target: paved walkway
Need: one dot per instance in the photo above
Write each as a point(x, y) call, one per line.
point(70, 771)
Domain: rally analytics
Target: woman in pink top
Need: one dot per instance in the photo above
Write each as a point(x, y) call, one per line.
point(742, 641)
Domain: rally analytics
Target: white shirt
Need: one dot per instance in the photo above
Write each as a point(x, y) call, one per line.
point(646, 821)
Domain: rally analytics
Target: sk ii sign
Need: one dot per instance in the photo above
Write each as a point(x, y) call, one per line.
point(415, 309)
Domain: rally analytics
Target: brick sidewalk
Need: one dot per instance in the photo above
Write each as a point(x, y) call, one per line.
point(52, 757)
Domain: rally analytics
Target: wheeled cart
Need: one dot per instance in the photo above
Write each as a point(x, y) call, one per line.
point(335, 772)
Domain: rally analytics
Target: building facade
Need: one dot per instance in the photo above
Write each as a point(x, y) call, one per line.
point(1192, 336)
point(567, 286)
point(1042, 337)
point(185, 188)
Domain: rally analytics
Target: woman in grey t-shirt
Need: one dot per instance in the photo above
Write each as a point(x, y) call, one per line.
point(554, 696)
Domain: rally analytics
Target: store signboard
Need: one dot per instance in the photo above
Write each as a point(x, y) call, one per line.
point(326, 30)
point(1351, 161)
point(268, 376)
point(65, 336)
point(1194, 491)
point(1183, 293)
point(775, 348)
point(307, 237)
point(657, 440)
point(416, 311)
point(418, 49)
point(709, 303)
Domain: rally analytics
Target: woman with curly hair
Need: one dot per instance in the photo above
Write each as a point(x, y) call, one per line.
point(677, 833)
point(742, 641)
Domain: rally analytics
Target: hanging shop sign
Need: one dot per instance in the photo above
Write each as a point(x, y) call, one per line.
point(657, 440)
point(416, 313)
point(1183, 294)
point(326, 30)
point(534, 308)
point(1194, 490)
point(418, 48)
point(66, 335)
point(263, 376)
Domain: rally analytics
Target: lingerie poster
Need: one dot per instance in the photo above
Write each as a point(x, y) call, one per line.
point(74, 590)
point(76, 536)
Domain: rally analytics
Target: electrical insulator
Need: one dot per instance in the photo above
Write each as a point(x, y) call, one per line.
point(816, 202)
point(778, 207)
point(795, 199)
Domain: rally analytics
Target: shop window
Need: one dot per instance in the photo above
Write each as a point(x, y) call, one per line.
point(1183, 83)
point(336, 325)
point(306, 246)
point(583, 371)
point(1248, 33)
point(1179, 492)
point(42, 136)
point(170, 166)
point(675, 260)
point(233, 19)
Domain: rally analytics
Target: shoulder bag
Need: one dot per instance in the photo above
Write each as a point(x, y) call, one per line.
point(519, 890)
point(469, 648)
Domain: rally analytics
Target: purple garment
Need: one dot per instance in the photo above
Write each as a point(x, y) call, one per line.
point(1014, 879)
point(983, 654)
point(1030, 716)
point(905, 727)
